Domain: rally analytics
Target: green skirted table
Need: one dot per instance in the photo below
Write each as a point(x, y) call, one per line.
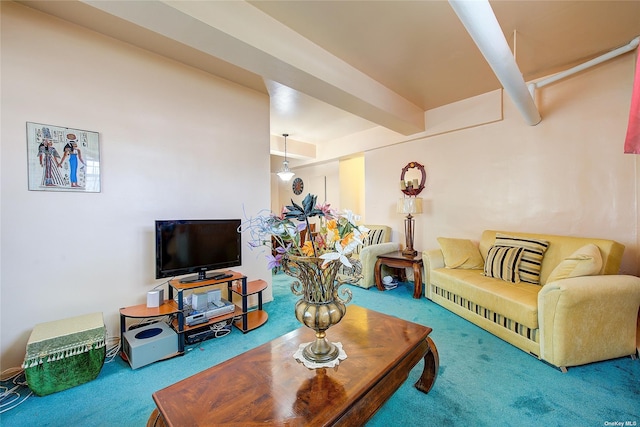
point(65, 353)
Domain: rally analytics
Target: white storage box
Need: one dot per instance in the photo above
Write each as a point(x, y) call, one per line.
point(149, 344)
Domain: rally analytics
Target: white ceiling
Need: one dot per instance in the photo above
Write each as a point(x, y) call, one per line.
point(333, 68)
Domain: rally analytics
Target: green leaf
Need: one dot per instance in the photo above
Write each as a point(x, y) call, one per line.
point(307, 210)
point(309, 203)
point(295, 211)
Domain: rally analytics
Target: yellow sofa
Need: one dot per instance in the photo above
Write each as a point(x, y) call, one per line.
point(376, 243)
point(567, 322)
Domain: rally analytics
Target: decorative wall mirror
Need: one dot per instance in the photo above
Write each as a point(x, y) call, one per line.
point(412, 179)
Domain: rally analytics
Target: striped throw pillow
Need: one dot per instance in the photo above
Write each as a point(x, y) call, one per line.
point(374, 237)
point(534, 250)
point(502, 263)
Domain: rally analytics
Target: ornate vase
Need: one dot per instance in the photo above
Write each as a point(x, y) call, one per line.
point(320, 306)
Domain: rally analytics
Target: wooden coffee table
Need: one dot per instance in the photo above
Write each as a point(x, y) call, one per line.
point(267, 386)
point(398, 260)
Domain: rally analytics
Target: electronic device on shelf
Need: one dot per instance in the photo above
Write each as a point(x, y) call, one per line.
point(197, 246)
point(214, 309)
point(215, 330)
point(196, 319)
point(199, 336)
point(149, 343)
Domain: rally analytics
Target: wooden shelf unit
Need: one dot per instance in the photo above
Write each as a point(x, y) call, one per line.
point(177, 286)
point(249, 320)
point(237, 283)
point(254, 318)
point(141, 311)
point(187, 328)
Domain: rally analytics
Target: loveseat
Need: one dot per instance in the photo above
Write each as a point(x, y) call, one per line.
point(581, 311)
point(376, 243)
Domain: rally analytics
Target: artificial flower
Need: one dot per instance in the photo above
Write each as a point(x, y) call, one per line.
point(340, 254)
point(274, 261)
point(307, 248)
point(337, 237)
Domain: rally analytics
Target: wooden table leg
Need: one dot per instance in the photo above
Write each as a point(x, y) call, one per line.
point(417, 280)
point(431, 366)
point(156, 420)
point(377, 274)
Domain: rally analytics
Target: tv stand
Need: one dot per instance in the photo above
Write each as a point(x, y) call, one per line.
point(242, 318)
point(236, 283)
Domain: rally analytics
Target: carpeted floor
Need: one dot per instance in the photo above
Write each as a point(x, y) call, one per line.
point(483, 381)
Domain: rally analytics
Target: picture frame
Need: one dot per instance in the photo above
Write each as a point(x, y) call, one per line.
point(62, 159)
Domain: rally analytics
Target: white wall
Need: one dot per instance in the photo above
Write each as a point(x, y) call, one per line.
point(175, 143)
point(352, 186)
point(567, 175)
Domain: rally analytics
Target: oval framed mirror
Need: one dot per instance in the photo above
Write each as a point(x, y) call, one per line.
point(413, 179)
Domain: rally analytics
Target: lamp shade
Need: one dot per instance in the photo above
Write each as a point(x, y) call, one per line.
point(285, 173)
point(410, 205)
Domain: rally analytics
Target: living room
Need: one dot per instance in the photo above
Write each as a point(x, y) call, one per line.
point(177, 142)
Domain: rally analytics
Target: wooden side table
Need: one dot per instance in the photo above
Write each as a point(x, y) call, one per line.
point(398, 260)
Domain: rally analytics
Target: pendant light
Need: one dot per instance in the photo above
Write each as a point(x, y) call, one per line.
point(285, 173)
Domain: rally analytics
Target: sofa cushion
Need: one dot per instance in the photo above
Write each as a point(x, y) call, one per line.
point(377, 234)
point(534, 249)
point(503, 262)
point(561, 247)
point(375, 237)
point(586, 261)
point(460, 253)
point(516, 301)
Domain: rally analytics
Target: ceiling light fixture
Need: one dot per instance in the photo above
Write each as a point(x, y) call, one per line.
point(285, 173)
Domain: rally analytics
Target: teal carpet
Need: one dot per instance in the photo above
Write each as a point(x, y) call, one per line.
point(483, 381)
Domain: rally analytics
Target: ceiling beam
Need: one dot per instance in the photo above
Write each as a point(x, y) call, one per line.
point(483, 27)
point(295, 149)
point(244, 36)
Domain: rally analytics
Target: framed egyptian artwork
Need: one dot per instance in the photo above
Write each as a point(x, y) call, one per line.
point(62, 159)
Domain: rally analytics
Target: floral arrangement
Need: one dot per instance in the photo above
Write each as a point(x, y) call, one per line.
point(337, 238)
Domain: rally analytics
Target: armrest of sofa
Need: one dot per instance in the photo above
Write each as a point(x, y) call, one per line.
point(432, 259)
point(368, 258)
point(588, 319)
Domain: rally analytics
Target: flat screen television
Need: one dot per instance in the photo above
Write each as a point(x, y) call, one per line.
point(196, 246)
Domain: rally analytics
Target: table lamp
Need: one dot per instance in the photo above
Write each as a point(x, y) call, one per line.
point(409, 206)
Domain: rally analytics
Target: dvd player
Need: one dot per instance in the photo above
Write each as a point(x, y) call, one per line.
point(215, 309)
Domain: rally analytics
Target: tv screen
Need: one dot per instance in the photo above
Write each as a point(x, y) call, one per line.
point(196, 246)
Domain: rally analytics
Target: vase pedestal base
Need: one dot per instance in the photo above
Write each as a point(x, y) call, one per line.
point(320, 351)
point(300, 357)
